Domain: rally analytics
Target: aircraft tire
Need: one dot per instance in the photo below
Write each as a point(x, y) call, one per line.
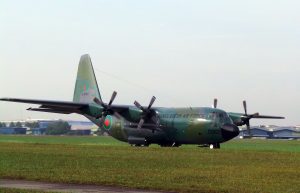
point(214, 146)
point(140, 145)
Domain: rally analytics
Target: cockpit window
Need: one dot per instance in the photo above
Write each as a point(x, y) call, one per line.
point(212, 116)
point(221, 117)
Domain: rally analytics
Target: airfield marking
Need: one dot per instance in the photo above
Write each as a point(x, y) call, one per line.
point(56, 187)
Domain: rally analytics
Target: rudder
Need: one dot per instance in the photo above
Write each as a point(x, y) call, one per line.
point(86, 87)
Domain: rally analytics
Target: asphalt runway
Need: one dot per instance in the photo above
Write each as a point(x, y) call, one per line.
point(56, 187)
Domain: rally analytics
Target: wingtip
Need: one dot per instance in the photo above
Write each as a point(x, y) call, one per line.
point(4, 99)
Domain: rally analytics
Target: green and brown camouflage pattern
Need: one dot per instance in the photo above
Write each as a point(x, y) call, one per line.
point(163, 126)
point(86, 87)
point(199, 125)
point(172, 125)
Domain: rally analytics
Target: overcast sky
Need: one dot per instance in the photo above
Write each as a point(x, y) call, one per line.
point(184, 52)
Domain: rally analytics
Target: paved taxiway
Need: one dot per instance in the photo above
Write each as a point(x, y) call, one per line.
point(74, 188)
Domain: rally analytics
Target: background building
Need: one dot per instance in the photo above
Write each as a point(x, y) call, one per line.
point(271, 132)
point(13, 130)
point(40, 126)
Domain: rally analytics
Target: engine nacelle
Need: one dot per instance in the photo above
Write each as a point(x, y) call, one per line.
point(115, 127)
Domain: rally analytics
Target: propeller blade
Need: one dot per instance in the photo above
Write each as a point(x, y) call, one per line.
point(248, 128)
point(215, 103)
point(151, 102)
point(254, 115)
point(138, 105)
point(141, 123)
point(154, 119)
point(99, 102)
point(113, 96)
point(102, 120)
point(117, 115)
point(245, 107)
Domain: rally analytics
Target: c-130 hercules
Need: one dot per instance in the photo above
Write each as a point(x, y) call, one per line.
point(144, 125)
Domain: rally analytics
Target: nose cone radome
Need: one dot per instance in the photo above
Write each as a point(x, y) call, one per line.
point(229, 131)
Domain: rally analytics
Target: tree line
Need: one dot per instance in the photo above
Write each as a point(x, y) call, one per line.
point(55, 128)
point(11, 124)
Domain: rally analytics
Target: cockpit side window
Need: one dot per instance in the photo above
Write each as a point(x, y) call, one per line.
point(221, 117)
point(212, 116)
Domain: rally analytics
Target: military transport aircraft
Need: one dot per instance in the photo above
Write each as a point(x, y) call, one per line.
point(144, 125)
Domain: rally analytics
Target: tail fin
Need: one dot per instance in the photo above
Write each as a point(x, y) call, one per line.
point(86, 87)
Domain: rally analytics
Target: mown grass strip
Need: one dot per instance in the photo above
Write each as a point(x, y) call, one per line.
point(76, 140)
point(236, 144)
point(187, 169)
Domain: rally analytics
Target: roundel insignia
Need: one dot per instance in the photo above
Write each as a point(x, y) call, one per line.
point(107, 122)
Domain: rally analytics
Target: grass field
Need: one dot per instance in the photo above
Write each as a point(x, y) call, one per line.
point(250, 166)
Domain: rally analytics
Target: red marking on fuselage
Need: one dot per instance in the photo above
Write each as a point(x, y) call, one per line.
point(106, 122)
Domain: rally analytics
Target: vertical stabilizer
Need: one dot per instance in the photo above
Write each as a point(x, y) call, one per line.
point(86, 87)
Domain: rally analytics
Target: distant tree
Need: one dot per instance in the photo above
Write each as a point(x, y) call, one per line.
point(12, 124)
point(32, 125)
point(58, 128)
point(1, 125)
point(27, 124)
point(35, 124)
point(18, 124)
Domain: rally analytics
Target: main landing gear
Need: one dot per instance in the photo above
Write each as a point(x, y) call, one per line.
point(140, 145)
point(214, 146)
point(174, 144)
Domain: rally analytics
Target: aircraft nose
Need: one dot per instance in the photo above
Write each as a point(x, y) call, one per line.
point(229, 131)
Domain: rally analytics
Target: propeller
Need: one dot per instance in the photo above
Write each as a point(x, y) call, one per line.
point(215, 102)
point(106, 107)
point(146, 111)
point(246, 118)
point(245, 106)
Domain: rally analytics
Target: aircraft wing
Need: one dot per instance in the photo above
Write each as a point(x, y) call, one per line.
point(64, 107)
point(256, 115)
point(267, 117)
point(240, 119)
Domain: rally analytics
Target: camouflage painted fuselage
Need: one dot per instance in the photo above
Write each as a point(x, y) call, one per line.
point(145, 125)
point(173, 126)
point(162, 126)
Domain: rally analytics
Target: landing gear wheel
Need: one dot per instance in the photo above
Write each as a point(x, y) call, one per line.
point(140, 145)
point(214, 146)
point(165, 145)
